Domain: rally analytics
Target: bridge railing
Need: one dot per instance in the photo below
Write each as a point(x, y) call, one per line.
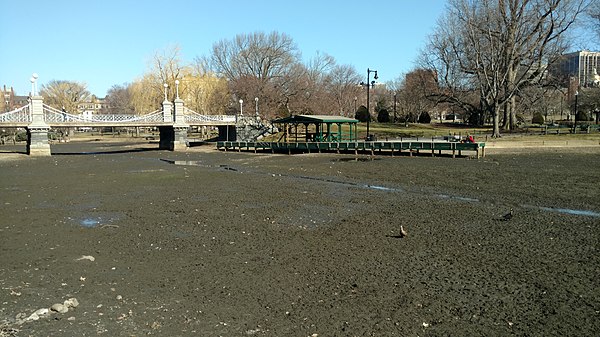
point(52, 115)
point(20, 115)
point(192, 117)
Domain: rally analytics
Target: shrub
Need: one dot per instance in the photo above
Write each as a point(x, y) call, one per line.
point(362, 114)
point(424, 118)
point(582, 116)
point(383, 116)
point(538, 118)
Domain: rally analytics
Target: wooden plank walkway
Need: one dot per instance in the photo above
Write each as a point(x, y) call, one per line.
point(375, 147)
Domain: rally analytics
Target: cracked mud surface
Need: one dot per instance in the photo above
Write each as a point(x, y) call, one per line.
point(206, 243)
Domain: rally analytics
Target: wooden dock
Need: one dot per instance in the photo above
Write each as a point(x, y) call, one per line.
point(407, 147)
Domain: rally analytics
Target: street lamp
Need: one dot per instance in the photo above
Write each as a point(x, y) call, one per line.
point(575, 118)
point(177, 88)
point(394, 107)
point(166, 86)
point(241, 107)
point(368, 85)
point(256, 100)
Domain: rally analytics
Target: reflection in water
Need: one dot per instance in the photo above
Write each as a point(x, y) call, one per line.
point(100, 220)
point(89, 222)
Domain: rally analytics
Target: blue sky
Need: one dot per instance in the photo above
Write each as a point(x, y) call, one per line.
point(108, 42)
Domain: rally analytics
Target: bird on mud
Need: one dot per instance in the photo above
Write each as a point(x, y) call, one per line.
point(403, 232)
point(508, 215)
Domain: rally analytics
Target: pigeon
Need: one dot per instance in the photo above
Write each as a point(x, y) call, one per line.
point(403, 232)
point(508, 215)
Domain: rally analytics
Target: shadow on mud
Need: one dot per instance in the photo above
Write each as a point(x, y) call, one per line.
point(83, 153)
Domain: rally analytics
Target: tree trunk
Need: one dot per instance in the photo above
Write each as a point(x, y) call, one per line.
point(496, 121)
point(513, 114)
point(505, 116)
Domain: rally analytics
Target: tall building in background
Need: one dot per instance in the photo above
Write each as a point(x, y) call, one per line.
point(580, 68)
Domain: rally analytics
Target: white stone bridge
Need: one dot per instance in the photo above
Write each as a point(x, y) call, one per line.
point(22, 117)
point(172, 120)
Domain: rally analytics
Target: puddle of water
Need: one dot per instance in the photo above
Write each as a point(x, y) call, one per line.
point(454, 197)
point(357, 159)
point(184, 162)
point(381, 188)
point(89, 222)
point(145, 171)
point(95, 221)
point(565, 210)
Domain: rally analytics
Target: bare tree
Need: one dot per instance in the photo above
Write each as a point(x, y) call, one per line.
point(344, 80)
point(418, 93)
point(258, 55)
point(118, 100)
point(258, 65)
point(499, 47)
point(64, 94)
point(594, 17)
point(167, 68)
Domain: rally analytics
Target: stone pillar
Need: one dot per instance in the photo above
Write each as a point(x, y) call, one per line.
point(180, 128)
point(37, 131)
point(167, 112)
point(179, 118)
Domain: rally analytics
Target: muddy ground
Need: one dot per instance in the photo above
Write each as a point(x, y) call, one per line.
point(206, 243)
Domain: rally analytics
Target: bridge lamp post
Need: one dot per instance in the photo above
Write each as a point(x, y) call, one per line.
point(166, 86)
point(35, 77)
point(177, 88)
point(368, 85)
point(256, 101)
point(241, 107)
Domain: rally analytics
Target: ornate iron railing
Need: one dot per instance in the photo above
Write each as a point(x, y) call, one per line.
point(20, 115)
point(190, 116)
point(52, 115)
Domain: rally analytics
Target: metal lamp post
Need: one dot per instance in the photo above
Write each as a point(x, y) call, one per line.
point(33, 80)
point(368, 85)
point(241, 107)
point(394, 107)
point(575, 117)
